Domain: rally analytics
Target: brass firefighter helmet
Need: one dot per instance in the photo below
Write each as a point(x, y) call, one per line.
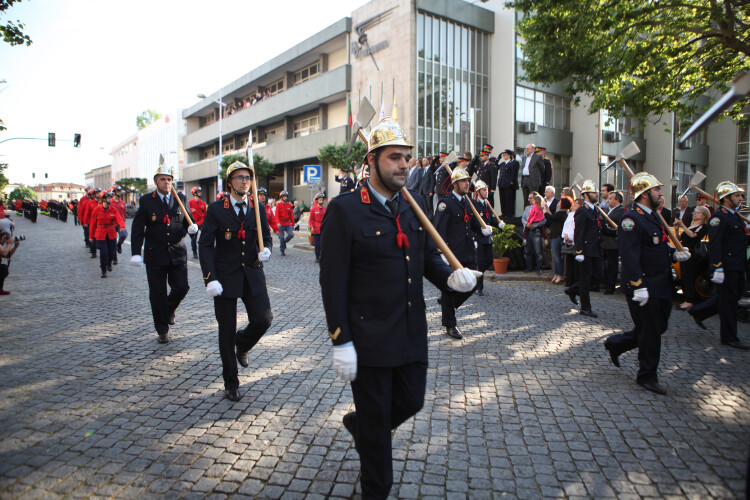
point(387, 133)
point(458, 175)
point(726, 188)
point(237, 166)
point(480, 184)
point(642, 182)
point(588, 187)
point(363, 174)
point(164, 170)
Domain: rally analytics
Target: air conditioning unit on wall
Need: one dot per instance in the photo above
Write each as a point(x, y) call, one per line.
point(529, 128)
point(611, 136)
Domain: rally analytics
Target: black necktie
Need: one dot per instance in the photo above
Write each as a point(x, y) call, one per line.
point(241, 204)
point(393, 205)
point(166, 203)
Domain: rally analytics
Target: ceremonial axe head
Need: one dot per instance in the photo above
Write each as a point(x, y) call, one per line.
point(364, 117)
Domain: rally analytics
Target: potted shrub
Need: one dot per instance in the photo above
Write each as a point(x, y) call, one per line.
point(503, 240)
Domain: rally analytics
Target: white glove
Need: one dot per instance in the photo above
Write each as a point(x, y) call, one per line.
point(345, 361)
point(192, 229)
point(476, 245)
point(463, 280)
point(641, 296)
point(214, 288)
point(718, 276)
point(681, 256)
point(579, 258)
point(136, 260)
point(487, 231)
point(500, 224)
point(265, 255)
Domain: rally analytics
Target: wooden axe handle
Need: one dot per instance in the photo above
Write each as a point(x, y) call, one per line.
point(179, 202)
point(612, 223)
point(257, 210)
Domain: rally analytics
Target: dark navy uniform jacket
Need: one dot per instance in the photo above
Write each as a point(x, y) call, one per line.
point(456, 223)
point(486, 172)
point(508, 174)
point(645, 255)
point(488, 217)
point(727, 241)
point(588, 232)
point(347, 184)
point(163, 231)
point(229, 257)
point(372, 287)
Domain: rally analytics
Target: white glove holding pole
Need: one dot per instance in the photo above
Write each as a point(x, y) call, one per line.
point(500, 224)
point(718, 276)
point(192, 229)
point(463, 280)
point(579, 258)
point(641, 296)
point(265, 255)
point(487, 231)
point(345, 361)
point(214, 288)
point(136, 260)
point(681, 256)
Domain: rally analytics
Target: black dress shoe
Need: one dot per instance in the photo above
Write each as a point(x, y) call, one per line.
point(454, 332)
point(119, 248)
point(109, 268)
point(282, 253)
point(104, 272)
point(653, 387)
point(349, 422)
point(480, 293)
point(232, 394)
point(195, 255)
point(163, 338)
point(114, 260)
point(609, 292)
point(93, 256)
point(590, 314)
point(571, 295)
point(612, 356)
point(698, 321)
point(243, 359)
point(171, 319)
point(737, 345)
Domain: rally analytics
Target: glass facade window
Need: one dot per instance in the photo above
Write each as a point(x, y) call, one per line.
point(560, 171)
point(206, 120)
point(297, 176)
point(306, 126)
point(743, 143)
point(307, 73)
point(275, 87)
point(684, 172)
point(617, 176)
point(625, 125)
point(544, 109)
point(453, 66)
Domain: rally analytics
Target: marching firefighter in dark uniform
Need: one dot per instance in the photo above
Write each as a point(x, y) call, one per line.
point(347, 183)
point(375, 253)
point(484, 243)
point(727, 253)
point(233, 269)
point(485, 166)
point(646, 279)
point(160, 221)
point(457, 224)
point(442, 178)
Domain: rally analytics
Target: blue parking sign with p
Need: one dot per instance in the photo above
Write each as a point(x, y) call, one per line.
point(312, 174)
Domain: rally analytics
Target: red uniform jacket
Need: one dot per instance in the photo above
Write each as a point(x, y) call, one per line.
point(271, 219)
point(284, 213)
point(316, 218)
point(121, 209)
point(197, 210)
point(84, 209)
point(102, 223)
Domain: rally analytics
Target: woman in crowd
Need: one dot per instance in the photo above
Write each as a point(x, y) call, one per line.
point(571, 270)
point(690, 238)
point(556, 221)
point(533, 225)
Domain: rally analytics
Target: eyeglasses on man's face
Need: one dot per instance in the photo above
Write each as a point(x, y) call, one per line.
point(243, 178)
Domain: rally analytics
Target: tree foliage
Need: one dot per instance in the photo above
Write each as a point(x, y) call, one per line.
point(337, 157)
point(133, 184)
point(3, 180)
point(22, 192)
point(147, 118)
point(12, 32)
point(647, 57)
point(263, 167)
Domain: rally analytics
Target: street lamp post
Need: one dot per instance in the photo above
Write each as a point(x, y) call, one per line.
point(221, 144)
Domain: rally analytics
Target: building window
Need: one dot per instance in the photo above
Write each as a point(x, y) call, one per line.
point(743, 143)
point(275, 87)
point(306, 126)
point(275, 133)
point(206, 120)
point(307, 73)
point(208, 152)
point(617, 176)
point(297, 176)
point(452, 77)
point(544, 109)
point(228, 146)
point(684, 172)
point(624, 125)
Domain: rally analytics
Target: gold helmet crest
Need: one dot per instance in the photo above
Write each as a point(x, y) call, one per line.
point(726, 188)
point(642, 182)
point(480, 184)
point(164, 170)
point(459, 174)
point(588, 187)
point(387, 133)
point(237, 166)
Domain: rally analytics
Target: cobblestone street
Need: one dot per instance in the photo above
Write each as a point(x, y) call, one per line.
point(527, 406)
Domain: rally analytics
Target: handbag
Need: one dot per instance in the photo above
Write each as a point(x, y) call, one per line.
point(701, 249)
point(567, 248)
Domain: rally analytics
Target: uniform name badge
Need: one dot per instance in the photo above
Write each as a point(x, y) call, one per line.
point(228, 235)
point(153, 217)
point(656, 240)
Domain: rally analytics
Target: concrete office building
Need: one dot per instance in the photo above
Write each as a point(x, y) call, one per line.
point(99, 177)
point(435, 63)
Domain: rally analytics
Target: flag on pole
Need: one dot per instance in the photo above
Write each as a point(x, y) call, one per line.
point(394, 113)
point(349, 109)
point(382, 107)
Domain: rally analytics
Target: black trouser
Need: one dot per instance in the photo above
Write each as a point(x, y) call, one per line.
point(316, 241)
point(526, 192)
point(194, 240)
point(724, 302)
point(86, 235)
point(508, 201)
point(649, 321)
point(451, 301)
point(259, 314)
point(107, 249)
point(571, 270)
point(3, 274)
point(611, 258)
point(591, 267)
point(687, 280)
point(163, 305)
point(384, 398)
point(484, 262)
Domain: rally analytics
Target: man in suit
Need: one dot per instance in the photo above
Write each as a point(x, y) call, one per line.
point(549, 198)
point(683, 212)
point(427, 185)
point(507, 183)
point(232, 268)
point(485, 166)
point(646, 279)
point(604, 203)
point(160, 222)
point(532, 172)
point(609, 243)
point(375, 253)
point(547, 176)
point(414, 177)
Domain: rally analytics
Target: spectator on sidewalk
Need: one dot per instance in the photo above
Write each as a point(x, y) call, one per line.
point(556, 220)
point(533, 224)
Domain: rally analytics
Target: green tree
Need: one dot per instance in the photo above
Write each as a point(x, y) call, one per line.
point(338, 158)
point(647, 57)
point(3, 180)
point(133, 184)
point(147, 118)
point(263, 167)
point(22, 192)
point(12, 32)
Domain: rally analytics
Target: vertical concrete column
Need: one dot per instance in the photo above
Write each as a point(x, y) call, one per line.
point(323, 116)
